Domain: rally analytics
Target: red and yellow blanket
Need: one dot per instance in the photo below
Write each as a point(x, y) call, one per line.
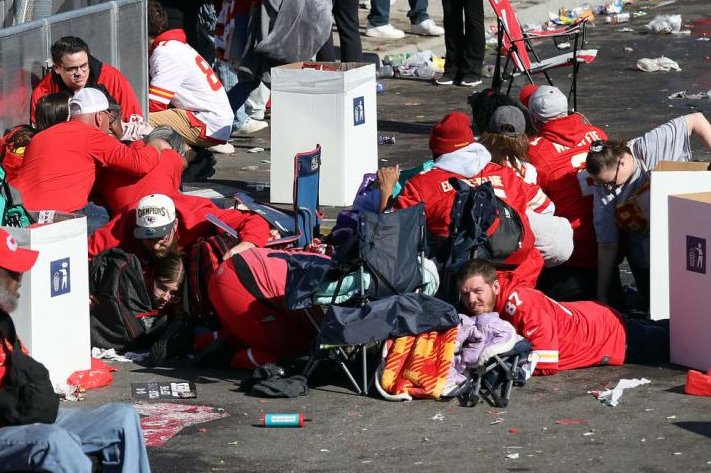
point(419, 365)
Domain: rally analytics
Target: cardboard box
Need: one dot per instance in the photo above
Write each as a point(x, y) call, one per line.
point(52, 318)
point(668, 178)
point(690, 279)
point(336, 109)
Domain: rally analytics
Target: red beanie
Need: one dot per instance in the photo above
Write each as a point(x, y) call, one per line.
point(526, 93)
point(452, 133)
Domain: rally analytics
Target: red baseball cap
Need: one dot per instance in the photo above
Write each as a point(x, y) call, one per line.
point(12, 257)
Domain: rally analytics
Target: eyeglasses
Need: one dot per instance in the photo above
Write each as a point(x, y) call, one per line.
point(611, 185)
point(74, 69)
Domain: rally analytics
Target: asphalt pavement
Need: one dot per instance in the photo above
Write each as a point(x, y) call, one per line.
point(552, 424)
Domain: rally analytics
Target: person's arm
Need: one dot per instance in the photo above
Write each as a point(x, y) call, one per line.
point(113, 154)
point(387, 178)
point(530, 312)
point(606, 259)
point(698, 125)
point(251, 227)
point(537, 200)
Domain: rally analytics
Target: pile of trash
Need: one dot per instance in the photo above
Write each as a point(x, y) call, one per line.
point(423, 65)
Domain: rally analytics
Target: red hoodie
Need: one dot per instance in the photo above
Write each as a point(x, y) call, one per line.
point(192, 224)
point(565, 335)
point(558, 151)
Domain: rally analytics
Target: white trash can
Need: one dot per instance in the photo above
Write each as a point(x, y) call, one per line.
point(52, 317)
point(333, 108)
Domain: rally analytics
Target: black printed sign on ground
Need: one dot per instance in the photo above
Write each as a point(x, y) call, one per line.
point(164, 390)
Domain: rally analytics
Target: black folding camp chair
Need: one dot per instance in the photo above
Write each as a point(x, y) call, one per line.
point(390, 247)
point(493, 381)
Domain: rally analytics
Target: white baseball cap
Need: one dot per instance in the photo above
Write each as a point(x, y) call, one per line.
point(155, 215)
point(88, 100)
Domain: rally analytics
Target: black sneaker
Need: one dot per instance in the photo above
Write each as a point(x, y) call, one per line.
point(447, 78)
point(470, 80)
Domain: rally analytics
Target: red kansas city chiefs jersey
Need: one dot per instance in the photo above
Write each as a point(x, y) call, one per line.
point(558, 152)
point(564, 335)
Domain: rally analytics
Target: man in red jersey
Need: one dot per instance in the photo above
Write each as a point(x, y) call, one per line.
point(61, 162)
point(558, 151)
point(74, 68)
point(160, 224)
point(564, 335)
point(458, 155)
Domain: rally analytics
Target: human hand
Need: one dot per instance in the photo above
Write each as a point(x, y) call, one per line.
point(387, 178)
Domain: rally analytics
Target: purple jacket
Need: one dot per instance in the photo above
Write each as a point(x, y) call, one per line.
point(481, 337)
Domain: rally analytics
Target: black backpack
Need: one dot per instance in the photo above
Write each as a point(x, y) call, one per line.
point(482, 226)
point(122, 316)
point(27, 395)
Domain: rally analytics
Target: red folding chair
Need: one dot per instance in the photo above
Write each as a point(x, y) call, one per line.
point(515, 45)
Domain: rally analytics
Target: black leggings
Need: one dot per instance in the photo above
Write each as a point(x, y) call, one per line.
point(647, 341)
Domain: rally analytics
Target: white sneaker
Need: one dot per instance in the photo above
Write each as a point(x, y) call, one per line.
point(226, 148)
point(427, 28)
point(250, 125)
point(386, 32)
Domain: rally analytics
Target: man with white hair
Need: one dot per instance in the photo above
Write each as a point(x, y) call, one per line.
point(558, 152)
point(60, 164)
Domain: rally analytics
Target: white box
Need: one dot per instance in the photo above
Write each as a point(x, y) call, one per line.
point(52, 318)
point(669, 177)
point(690, 279)
point(336, 109)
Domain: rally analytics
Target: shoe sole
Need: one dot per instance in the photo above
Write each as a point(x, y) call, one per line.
point(470, 84)
point(382, 36)
point(446, 82)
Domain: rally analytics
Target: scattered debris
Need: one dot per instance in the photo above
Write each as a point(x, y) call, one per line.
point(512, 456)
point(611, 397)
point(683, 95)
point(570, 421)
point(628, 49)
point(498, 420)
point(256, 149)
point(324, 450)
point(265, 161)
point(438, 416)
point(109, 354)
point(662, 63)
point(514, 430)
point(671, 417)
point(664, 24)
point(589, 433)
point(164, 419)
point(252, 167)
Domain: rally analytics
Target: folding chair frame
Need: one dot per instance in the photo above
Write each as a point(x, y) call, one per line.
point(515, 64)
point(340, 356)
point(481, 389)
point(299, 231)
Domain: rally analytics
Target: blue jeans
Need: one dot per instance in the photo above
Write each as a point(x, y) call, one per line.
point(96, 217)
point(113, 431)
point(380, 12)
point(229, 80)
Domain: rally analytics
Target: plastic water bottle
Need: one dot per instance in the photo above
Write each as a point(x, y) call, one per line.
point(386, 140)
point(380, 87)
point(423, 72)
point(396, 59)
point(623, 17)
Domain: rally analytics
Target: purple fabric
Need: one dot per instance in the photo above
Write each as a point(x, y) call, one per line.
point(479, 333)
